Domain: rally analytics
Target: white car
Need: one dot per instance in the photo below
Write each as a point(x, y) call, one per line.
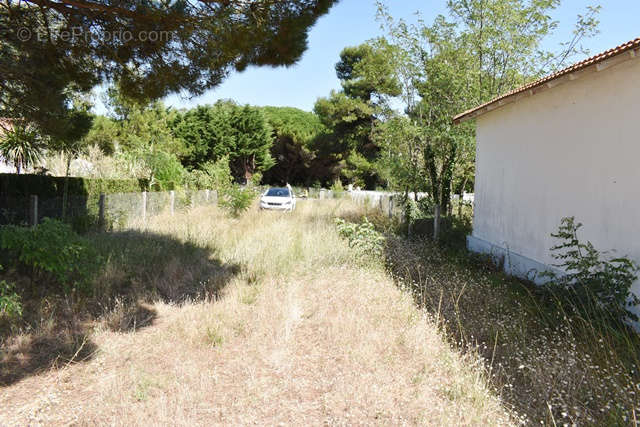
point(280, 199)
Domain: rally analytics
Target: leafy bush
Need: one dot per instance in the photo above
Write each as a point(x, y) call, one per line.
point(236, 200)
point(10, 305)
point(363, 237)
point(47, 187)
point(211, 175)
point(53, 248)
point(595, 283)
point(167, 172)
point(337, 189)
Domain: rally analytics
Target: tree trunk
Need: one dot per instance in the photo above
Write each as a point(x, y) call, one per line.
point(65, 191)
point(464, 185)
point(436, 222)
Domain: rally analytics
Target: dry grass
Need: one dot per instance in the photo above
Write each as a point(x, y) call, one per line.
point(302, 334)
point(551, 366)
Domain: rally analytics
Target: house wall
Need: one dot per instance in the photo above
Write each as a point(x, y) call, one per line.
point(573, 150)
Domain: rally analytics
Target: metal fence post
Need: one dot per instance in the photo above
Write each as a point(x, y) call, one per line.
point(172, 201)
point(390, 207)
point(101, 221)
point(33, 210)
point(144, 205)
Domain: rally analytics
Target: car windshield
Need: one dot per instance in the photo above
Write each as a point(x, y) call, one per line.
point(278, 192)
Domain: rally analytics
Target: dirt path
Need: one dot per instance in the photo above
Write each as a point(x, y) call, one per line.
point(337, 345)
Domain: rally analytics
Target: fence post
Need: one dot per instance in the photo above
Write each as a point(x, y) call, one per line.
point(390, 207)
point(144, 206)
point(33, 210)
point(101, 221)
point(172, 201)
point(436, 223)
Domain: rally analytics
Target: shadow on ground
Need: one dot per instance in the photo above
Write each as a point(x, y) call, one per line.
point(138, 269)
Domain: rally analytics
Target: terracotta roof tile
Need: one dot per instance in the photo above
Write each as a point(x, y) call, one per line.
point(633, 44)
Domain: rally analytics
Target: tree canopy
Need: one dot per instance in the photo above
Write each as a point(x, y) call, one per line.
point(225, 129)
point(51, 47)
point(296, 134)
point(368, 80)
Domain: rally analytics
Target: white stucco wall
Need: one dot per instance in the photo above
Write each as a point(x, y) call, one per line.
point(573, 150)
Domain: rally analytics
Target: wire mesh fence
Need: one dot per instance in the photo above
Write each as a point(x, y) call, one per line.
point(109, 210)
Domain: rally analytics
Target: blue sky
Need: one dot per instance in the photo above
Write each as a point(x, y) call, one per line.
point(352, 22)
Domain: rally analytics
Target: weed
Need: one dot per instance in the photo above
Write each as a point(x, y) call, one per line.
point(213, 337)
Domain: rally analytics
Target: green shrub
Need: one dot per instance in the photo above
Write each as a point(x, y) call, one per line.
point(211, 175)
point(53, 248)
point(590, 282)
point(47, 187)
point(337, 189)
point(363, 237)
point(10, 305)
point(167, 171)
point(236, 200)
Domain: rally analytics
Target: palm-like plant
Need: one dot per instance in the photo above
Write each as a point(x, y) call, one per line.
point(21, 144)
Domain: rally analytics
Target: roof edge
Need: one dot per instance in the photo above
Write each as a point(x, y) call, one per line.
point(550, 80)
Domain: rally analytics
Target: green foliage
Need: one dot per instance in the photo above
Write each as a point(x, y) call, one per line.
point(225, 129)
point(401, 163)
point(10, 302)
point(236, 200)
point(103, 134)
point(145, 128)
point(166, 47)
point(52, 186)
point(362, 237)
point(368, 79)
point(337, 187)
point(167, 172)
point(21, 144)
point(70, 140)
point(53, 248)
point(211, 175)
point(483, 49)
point(592, 282)
point(295, 149)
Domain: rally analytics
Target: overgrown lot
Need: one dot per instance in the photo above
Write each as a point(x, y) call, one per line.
point(552, 360)
point(267, 318)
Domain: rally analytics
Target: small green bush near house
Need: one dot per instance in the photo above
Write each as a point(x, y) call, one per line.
point(52, 248)
point(363, 237)
point(592, 284)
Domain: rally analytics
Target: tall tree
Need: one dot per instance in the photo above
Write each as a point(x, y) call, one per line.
point(486, 48)
point(294, 149)
point(152, 48)
point(367, 78)
point(226, 129)
point(252, 141)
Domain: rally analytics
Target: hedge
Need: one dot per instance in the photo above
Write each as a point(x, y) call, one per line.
point(24, 185)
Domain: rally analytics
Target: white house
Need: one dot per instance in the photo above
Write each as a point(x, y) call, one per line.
point(565, 145)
